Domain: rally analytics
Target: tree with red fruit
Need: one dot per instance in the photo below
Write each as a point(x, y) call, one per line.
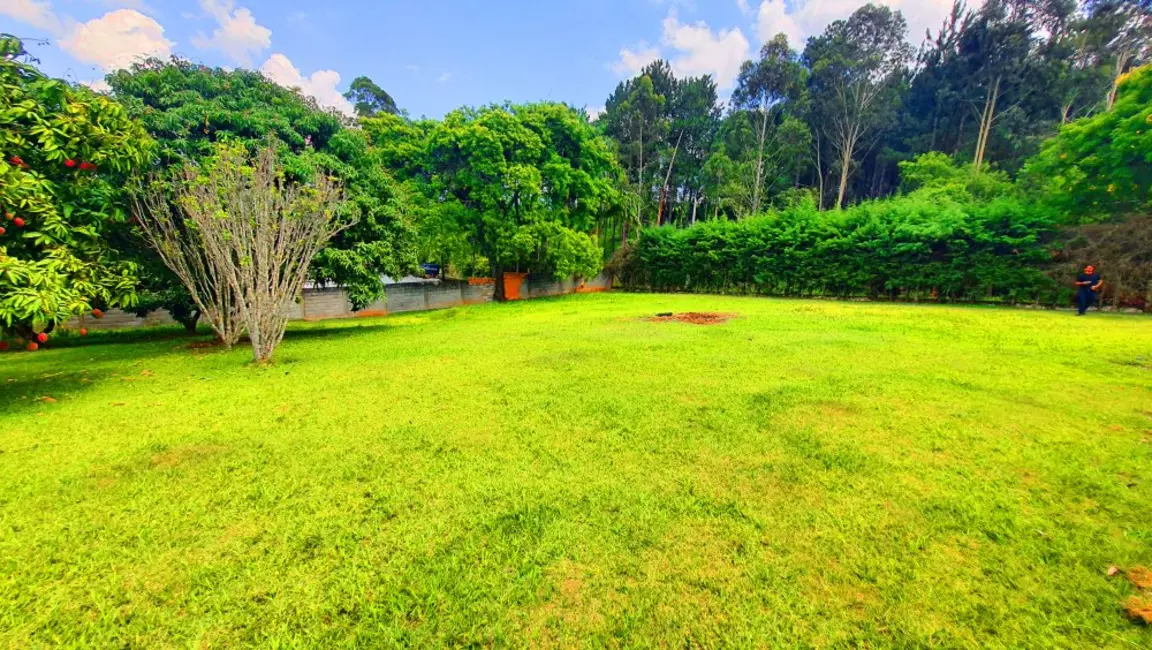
point(55, 260)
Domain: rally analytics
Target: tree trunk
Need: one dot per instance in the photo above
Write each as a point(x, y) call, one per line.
point(640, 187)
point(819, 174)
point(846, 154)
point(498, 276)
point(667, 179)
point(1121, 64)
point(986, 121)
point(190, 323)
point(758, 187)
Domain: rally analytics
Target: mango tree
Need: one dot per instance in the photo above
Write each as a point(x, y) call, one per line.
point(64, 152)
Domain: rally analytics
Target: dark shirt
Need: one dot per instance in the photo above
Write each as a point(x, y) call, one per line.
point(1094, 279)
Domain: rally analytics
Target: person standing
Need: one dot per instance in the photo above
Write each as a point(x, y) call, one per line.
point(1089, 284)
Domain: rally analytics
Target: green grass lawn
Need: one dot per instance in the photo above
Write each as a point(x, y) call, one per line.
point(562, 473)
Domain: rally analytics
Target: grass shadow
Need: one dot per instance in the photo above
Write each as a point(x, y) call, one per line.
point(71, 339)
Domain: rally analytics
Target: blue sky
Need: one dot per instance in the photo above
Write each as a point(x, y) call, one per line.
point(436, 55)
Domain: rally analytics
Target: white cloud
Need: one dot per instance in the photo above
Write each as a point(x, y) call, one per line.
point(693, 50)
point(99, 85)
point(238, 35)
point(117, 39)
point(37, 13)
point(773, 19)
point(803, 18)
point(412, 68)
point(633, 61)
point(703, 51)
point(320, 84)
point(444, 77)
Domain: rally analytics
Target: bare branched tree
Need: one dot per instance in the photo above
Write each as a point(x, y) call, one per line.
point(177, 240)
point(245, 237)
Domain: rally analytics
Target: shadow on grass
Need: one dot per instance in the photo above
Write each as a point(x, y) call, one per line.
point(343, 329)
point(85, 361)
point(69, 339)
point(33, 376)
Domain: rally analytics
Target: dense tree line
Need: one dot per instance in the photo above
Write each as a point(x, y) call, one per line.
point(949, 234)
point(837, 118)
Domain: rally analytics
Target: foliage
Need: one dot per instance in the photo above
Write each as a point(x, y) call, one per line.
point(636, 117)
point(525, 184)
point(368, 99)
point(770, 90)
point(1100, 167)
point(189, 108)
point(941, 173)
point(929, 245)
point(64, 152)
point(858, 68)
point(988, 88)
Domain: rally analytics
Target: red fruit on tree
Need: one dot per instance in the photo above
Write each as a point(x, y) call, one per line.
point(96, 313)
point(42, 337)
point(3, 346)
point(32, 347)
point(2, 231)
point(83, 332)
point(16, 160)
point(19, 223)
point(9, 216)
point(69, 163)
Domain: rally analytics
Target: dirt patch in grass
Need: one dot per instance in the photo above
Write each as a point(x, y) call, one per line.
point(693, 318)
point(1139, 609)
point(1140, 577)
point(181, 455)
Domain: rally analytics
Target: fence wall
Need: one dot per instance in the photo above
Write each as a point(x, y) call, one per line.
point(321, 304)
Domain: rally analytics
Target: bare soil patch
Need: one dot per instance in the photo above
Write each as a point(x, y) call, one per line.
point(693, 318)
point(1139, 609)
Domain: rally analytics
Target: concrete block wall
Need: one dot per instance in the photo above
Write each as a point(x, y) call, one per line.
point(406, 297)
point(320, 304)
point(475, 294)
point(114, 319)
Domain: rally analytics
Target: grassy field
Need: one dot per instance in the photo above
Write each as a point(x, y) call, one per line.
point(562, 473)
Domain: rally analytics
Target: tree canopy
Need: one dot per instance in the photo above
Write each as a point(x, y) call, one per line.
point(188, 108)
point(1101, 167)
point(368, 99)
point(64, 155)
point(525, 184)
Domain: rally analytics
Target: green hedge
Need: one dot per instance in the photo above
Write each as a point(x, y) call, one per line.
point(925, 245)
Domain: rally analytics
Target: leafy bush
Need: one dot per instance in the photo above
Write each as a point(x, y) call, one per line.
point(925, 245)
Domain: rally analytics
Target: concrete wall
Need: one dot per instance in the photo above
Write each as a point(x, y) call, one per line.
point(320, 304)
